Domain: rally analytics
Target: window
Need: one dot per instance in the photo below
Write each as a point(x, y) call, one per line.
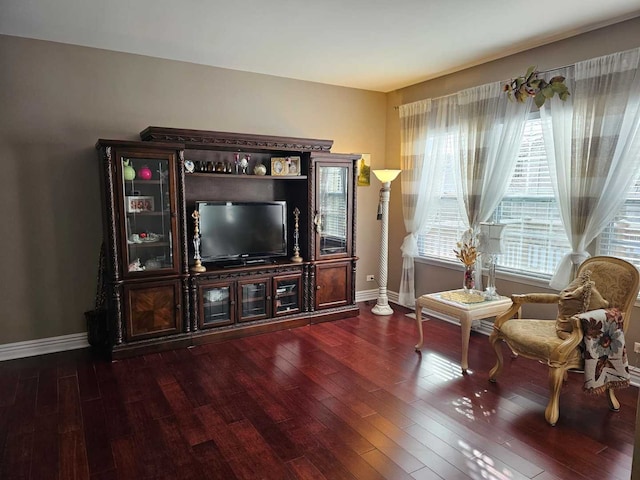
point(447, 226)
point(535, 239)
point(621, 238)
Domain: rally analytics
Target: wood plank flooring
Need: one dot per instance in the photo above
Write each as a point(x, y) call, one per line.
point(348, 399)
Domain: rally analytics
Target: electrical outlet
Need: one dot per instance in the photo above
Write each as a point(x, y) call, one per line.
point(371, 278)
point(636, 347)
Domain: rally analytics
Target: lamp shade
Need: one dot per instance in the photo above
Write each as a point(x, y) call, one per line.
point(386, 175)
point(490, 238)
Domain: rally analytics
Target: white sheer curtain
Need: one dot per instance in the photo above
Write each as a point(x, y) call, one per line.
point(593, 147)
point(490, 133)
point(423, 149)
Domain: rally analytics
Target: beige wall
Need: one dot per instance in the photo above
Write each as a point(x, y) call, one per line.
point(615, 38)
point(57, 100)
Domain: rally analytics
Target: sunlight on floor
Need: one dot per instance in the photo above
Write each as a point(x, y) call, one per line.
point(481, 466)
point(469, 408)
point(442, 368)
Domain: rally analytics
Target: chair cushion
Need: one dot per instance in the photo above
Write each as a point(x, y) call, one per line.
point(533, 338)
point(580, 296)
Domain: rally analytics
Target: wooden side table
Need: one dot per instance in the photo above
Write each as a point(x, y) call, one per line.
point(452, 303)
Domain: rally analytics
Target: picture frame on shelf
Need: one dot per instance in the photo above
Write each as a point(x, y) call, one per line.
point(293, 165)
point(278, 166)
point(139, 204)
point(285, 166)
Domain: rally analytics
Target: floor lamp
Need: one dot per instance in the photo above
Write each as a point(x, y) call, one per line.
point(386, 177)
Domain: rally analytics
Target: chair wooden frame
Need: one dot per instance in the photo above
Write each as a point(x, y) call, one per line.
point(564, 358)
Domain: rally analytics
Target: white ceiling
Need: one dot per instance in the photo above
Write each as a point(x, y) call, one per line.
point(376, 45)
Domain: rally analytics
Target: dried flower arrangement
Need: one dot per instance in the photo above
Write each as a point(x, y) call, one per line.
point(467, 252)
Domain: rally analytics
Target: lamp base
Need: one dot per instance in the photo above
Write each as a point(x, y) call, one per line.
point(490, 294)
point(382, 310)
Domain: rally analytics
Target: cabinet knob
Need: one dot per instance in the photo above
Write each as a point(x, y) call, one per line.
point(178, 306)
point(318, 287)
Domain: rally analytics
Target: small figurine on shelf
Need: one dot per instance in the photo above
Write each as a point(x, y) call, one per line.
point(237, 163)
point(244, 163)
point(136, 266)
point(128, 172)
point(145, 173)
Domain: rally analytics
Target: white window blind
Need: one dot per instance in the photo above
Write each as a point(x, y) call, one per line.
point(334, 201)
point(621, 238)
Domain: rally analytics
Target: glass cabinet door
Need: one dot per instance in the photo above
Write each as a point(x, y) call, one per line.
point(148, 206)
point(332, 215)
point(288, 294)
point(217, 302)
point(254, 299)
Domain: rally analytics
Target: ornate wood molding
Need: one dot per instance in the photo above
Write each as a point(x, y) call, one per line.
point(234, 141)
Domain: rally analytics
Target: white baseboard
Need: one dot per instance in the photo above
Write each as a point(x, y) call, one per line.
point(31, 348)
point(367, 295)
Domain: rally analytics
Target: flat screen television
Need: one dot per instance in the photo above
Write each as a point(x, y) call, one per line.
point(242, 231)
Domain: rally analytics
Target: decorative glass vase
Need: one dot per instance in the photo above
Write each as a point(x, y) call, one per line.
point(469, 281)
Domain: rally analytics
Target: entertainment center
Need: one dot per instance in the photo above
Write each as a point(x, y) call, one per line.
point(215, 235)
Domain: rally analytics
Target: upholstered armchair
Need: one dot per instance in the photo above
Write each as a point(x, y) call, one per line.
point(601, 283)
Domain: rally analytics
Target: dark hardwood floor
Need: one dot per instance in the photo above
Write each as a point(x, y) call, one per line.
point(340, 400)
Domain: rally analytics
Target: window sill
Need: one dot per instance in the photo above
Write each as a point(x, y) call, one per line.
point(539, 282)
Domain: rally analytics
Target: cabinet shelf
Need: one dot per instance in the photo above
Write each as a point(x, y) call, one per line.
point(148, 214)
point(148, 244)
point(247, 177)
point(138, 183)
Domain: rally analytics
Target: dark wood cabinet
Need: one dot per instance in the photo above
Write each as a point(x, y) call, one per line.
point(152, 309)
point(287, 294)
point(216, 303)
point(150, 189)
point(255, 299)
point(142, 237)
point(333, 284)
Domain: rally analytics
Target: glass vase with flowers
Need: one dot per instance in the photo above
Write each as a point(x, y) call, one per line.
point(467, 253)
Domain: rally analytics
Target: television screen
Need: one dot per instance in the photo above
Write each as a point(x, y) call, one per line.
point(242, 230)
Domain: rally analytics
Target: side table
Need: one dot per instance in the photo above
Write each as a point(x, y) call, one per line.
point(466, 307)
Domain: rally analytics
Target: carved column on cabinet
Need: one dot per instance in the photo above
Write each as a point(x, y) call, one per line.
point(186, 310)
point(194, 302)
point(111, 216)
point(312, 288)
point(306, 282)
point(117, 303)
point(354, 208)
point(182, 210)
point(311, 201)
point(353, 282)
